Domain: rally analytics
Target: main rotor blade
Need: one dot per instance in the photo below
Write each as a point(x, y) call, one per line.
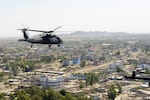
point(37, 31)
point(19, 29)
point(61, 31)
point(41, 30)
point(57, 28)
point(24, 29)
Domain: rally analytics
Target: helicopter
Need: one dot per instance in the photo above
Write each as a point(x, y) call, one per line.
point(45, 38)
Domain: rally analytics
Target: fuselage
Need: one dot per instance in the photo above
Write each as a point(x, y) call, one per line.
point(46, 40)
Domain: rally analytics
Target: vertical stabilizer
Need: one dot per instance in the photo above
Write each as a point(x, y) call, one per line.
point(25, 34)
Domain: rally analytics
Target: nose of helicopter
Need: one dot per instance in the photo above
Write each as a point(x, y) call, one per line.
point(61, 41)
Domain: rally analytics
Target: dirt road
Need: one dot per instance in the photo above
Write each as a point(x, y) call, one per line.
point(88, 69)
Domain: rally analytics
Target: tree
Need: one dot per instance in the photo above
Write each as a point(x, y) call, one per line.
point(112, 92)
point(12, 97)
point(47, 59)
point(81, 84)
point(43, 93)
point(103, 75)
point(146, 48)
point(91, 78)
point(119, 69)
point(34, 90)
point(2, 74)
point(119, 87)
point(36, 97)
point(7, 67)
point(83, 98)
point(14, 70)
point(22, 95)
point(147, 71)
point(2, 97)
point(63, 92)
point(5, 59)
point(82, 64)
point(52, 95)
point(62, 57)
point(69, 97)
point(118, 53)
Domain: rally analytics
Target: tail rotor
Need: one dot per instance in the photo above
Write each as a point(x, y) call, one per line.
point(24, 31)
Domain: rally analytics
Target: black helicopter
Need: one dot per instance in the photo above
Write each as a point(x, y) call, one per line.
point(45, 38)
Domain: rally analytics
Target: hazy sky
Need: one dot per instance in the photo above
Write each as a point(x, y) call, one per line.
point(131, 16)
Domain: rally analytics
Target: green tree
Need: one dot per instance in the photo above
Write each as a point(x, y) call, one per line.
point(2, 74)
point(69, 97)
point(47, 59)
point(7, 67)
point(62, 57)
point(5, 59)
point(147, 71)
point(22, 95)
point(146, 48)
point(23, 66)
point(91, 78)
point(118, 53)
point(43, 93)
point(14, 70)
point(119, 69)
point(52, 95)
point(112, 92)
point(119, 87)
point(31, 66)
point(82, 64)
point(36, 97)
point(103, 75)
point(81, 84)
point(34, 90)
point(83, 98)
point(63, 92)
point(2, 97)
point(12, 97)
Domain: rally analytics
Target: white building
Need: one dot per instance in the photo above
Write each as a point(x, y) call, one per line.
point(48, 81)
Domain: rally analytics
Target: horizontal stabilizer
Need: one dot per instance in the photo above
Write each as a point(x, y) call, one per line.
point(22, 40)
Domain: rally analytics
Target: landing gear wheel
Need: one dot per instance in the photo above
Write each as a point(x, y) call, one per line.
point(49, 46)
point(31, 45)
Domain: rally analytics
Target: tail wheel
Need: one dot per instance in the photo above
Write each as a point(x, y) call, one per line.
point(31, 45)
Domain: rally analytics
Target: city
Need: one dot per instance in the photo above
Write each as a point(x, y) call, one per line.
point(91, 65)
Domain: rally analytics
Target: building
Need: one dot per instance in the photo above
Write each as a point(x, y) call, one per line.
point(143, 66)
point(90, 57)
point(133, 61)
point(76, 60)
point(65, 63)
point(80, 77)
point(134, 49)
point(96, 62)
point(55, 83)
